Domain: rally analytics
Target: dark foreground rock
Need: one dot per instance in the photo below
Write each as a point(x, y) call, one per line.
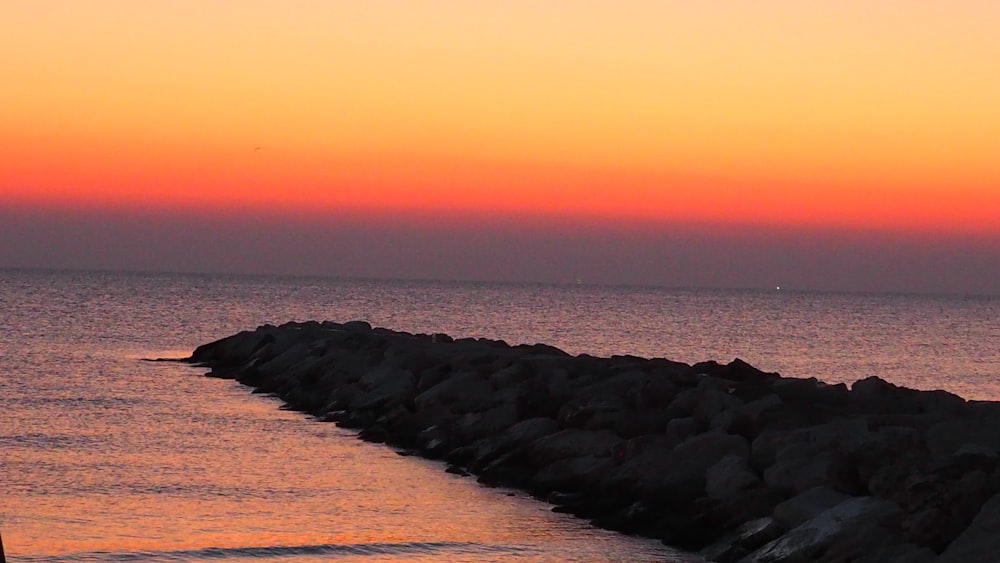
point(740, 464)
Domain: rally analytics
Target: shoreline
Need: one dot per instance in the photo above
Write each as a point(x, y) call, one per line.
point(721, 459)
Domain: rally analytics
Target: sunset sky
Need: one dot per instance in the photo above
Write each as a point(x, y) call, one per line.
point(841, 144)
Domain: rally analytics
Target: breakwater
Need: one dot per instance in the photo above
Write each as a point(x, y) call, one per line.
point(724, 459)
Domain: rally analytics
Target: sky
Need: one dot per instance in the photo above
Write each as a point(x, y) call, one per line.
point(842, 145)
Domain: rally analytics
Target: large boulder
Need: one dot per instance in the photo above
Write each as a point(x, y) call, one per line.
point(797, 474)
point(778, 445)
point(980, 541)
point(463, 392)
point(519, 435)
point(580, 473)
point(808, 541)
point(945, 438)
point(806, 506)
point(572, 443)
point(729, 476)
point(743, 540)
point(679, 474)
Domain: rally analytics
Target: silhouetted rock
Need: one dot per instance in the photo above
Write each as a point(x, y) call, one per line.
point(742, 464)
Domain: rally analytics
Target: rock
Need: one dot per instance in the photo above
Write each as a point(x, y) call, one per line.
point(736, 370)
point(980, 541)
point(824, 401)
point(681, 429)
point(572, 443)
point(654, 447)
point(808, 541)
point(455, 470)
point(678, 475)
point(807, 505)
point(478, 425)
point(798, 474)
point(728, 476)
point(463, 392)
point(730, 512)
point(876, 394)
point(940, 402)
point(357, 326)
point(779, 445)
point(706, 449)
point(577, 413)
point(752, 418)
point(684, 403)
point(743, 540)
point(573, 474)
point(947, 437)
point(865, 542)
point(716, 409)
point(639, 517)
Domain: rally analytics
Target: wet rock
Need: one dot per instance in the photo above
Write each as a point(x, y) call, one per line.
point(899, 553)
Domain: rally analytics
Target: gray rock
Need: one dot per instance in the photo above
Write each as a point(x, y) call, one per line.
point(477, 425)
point(463, 392)
point(979, 540)
point(945, 438)
point(743, 540)
point(940, 402)
point(630, 433)
point(848, 433)
point(484, 451)
point(705, 450)
point(678, 474)
point(571, 474)
point(808, 541)
point(572, 443)
point(900, 553)
point(684, 403)
point(680, 429)
point(728, 476)
point(628, 423)
point(798, 474)
point(807, 505)
point(716, 406)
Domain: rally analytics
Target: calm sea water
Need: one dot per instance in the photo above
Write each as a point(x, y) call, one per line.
point(104, 457)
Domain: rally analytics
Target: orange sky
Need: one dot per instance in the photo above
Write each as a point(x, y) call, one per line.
point(878, 114)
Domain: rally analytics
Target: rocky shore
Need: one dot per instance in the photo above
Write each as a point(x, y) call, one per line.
point(726, 460)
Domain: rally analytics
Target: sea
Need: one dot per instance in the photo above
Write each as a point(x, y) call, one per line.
point(107, 457)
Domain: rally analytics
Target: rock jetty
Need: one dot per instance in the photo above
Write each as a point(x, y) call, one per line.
point(722, 459)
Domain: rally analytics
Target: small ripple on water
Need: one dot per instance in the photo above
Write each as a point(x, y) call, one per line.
point(335, 551)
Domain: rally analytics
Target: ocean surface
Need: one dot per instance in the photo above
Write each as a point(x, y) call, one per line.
point(104, 457)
